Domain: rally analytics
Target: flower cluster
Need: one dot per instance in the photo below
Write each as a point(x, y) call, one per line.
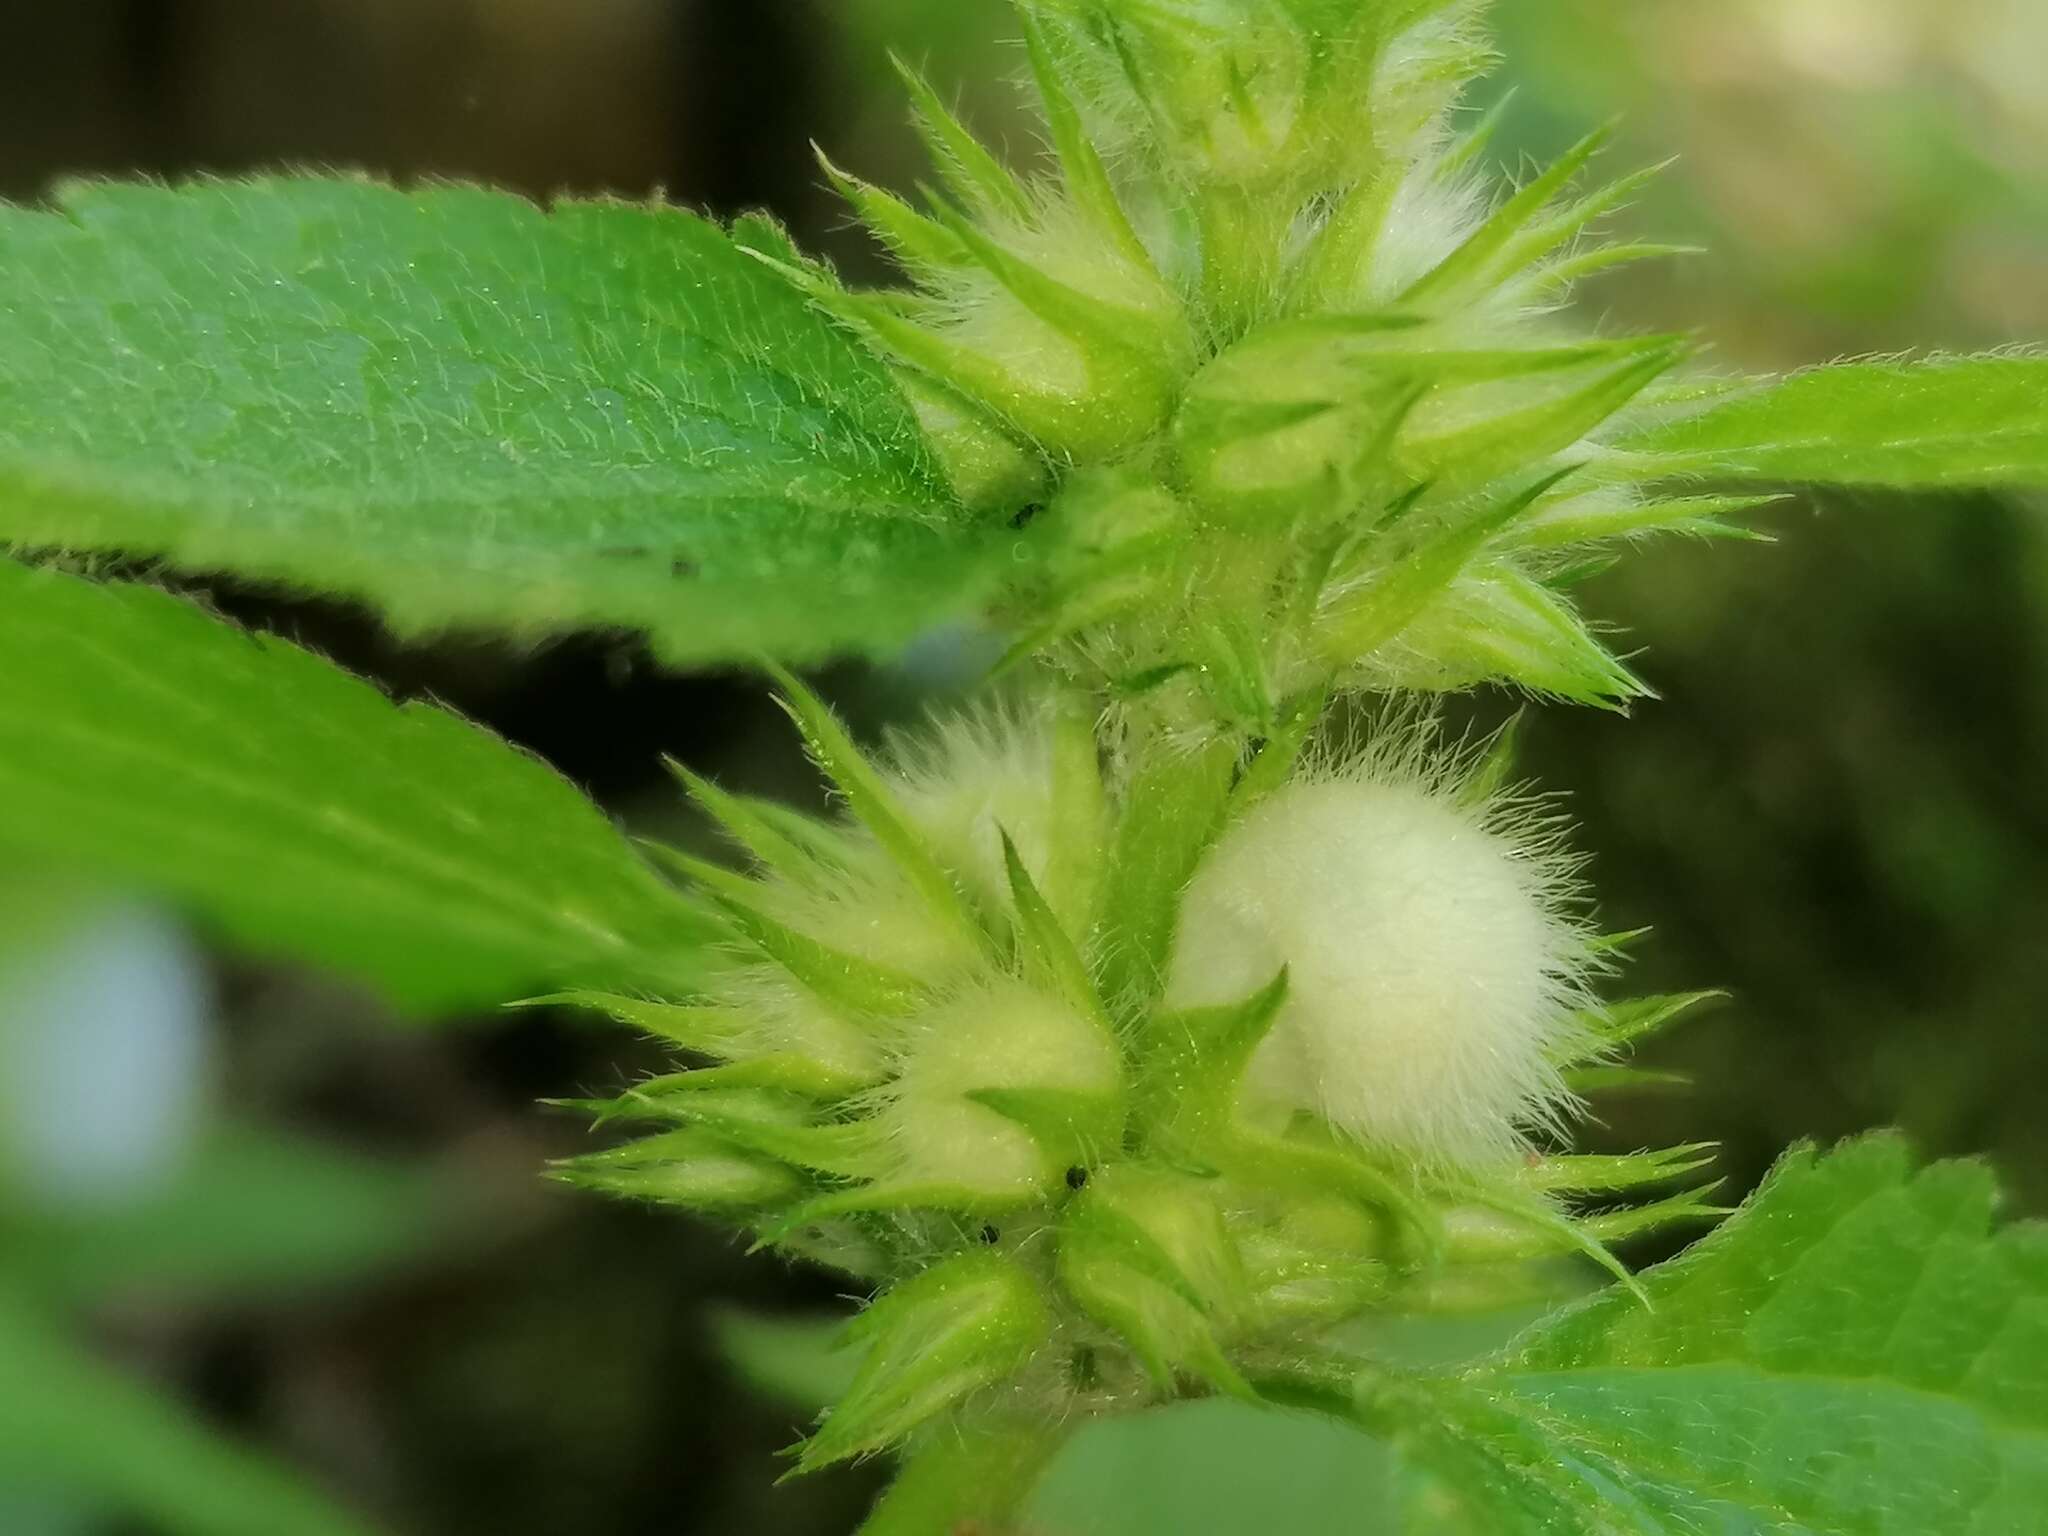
point(1081, 1164)
point(1127, 1034)
point(1291, 383)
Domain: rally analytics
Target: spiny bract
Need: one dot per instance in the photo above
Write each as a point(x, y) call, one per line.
point(1117, 1039)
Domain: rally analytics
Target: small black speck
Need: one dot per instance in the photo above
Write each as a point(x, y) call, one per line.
point(1026, 515)
point(1077, 1176)
point(1084, 1369)
point(991, 1235)
point(682, 570)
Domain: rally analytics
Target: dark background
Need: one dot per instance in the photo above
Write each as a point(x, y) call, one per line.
point(1834, 810)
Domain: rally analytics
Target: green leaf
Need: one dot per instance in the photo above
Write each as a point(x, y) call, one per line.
point(254, 1212)
point(1948, 422)
point(468, 410)
point(801, 1362)
point(70, 1424)
point(303, 812)
point(1216, 1468)
point(968, 1479)
point(1857, 1351)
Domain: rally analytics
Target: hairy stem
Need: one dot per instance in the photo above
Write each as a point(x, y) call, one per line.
point(966, 1481)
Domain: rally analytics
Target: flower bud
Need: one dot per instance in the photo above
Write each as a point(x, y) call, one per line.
point(986, 465)
point(1314, 1257)
point(1229, 80)
point(1431, 970)
point(981, 777)
point(1147, 1252)
point(960, 1111)
point(961, 1325)
point(1286, 424)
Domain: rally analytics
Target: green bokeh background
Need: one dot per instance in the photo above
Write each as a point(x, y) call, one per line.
point(1834, 810)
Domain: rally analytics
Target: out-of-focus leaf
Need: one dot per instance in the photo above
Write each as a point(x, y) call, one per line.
point(253, 1213)
point(1222, 1468)
point(466, 409)
point(805, 1363)
point(304, 812)
point(1217, 1468)
point(69, 1423)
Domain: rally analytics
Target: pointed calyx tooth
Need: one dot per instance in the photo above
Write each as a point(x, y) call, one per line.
point(1042, 315)
point(921, 243)
point(691, 1168)
point(1079, 378)
point(970, 172)
point(1499, 623)
point(1148, 1252)
point(990, 465)
point(966, 1323)
point(1391, 582)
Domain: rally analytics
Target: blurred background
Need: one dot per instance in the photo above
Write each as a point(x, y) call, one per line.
point(301, 1245)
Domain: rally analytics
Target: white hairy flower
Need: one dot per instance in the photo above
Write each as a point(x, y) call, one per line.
point(1433, 966)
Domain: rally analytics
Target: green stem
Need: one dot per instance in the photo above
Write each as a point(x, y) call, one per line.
point(1350, 1390)
point(968, 1481)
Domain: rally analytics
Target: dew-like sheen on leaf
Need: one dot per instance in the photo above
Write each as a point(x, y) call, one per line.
point(1857, 1351)
point(467, 410)
point(302, 811)
point(1946, 422)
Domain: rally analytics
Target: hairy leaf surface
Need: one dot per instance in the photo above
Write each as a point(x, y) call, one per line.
point(1856, 1351)
point(1954, 422)
point(303, 811)
point(468, 410)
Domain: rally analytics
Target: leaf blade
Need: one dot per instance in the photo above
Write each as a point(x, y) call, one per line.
point(302, 812)
point(1856, 1350)
point(1948, 422)
point(469, 411)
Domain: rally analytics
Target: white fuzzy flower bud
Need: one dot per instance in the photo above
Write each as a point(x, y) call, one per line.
point(1431, 970)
